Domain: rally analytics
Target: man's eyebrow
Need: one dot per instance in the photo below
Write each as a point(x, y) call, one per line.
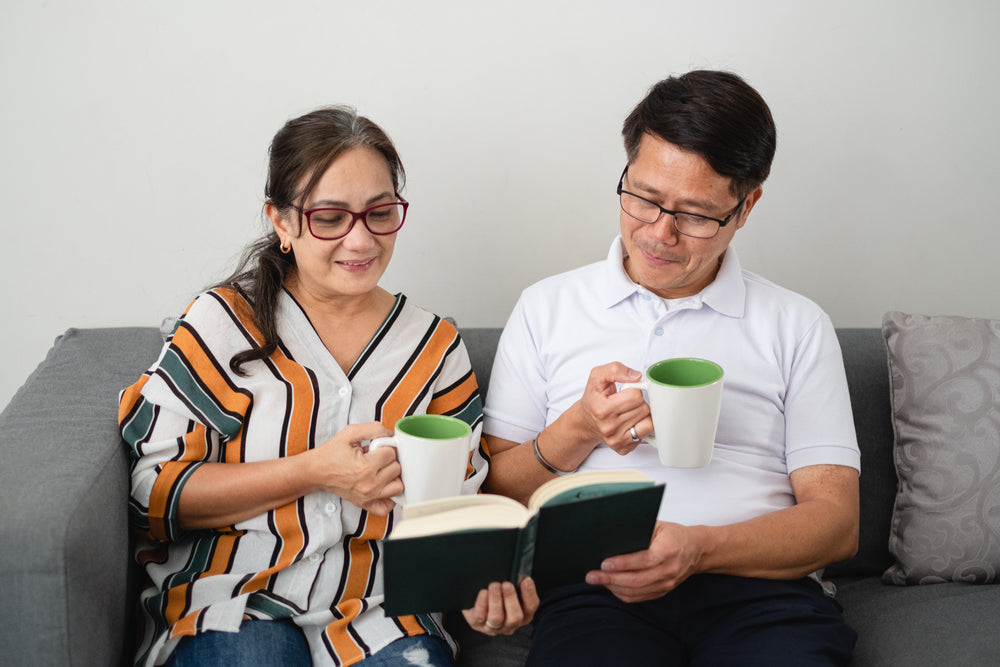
point(646, 189)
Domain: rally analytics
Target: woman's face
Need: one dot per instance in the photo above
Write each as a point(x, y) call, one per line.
point(350, 266)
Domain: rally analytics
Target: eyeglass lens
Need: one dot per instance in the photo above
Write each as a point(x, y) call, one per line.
point(689, 224)
point(333, 223)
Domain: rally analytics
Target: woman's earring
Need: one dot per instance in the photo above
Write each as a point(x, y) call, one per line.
point(285, 249)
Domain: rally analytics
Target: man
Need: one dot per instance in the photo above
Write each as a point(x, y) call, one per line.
point(730, 576)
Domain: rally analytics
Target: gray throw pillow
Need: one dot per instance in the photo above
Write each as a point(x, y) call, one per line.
point(945, 390)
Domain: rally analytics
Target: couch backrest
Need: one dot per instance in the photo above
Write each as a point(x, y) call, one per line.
point(867, 365)
point(868, 378)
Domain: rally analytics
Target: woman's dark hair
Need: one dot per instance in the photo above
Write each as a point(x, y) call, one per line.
point(716, 115)
point(299, 155)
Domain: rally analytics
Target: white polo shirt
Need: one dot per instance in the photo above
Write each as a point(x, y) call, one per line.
point(785, 403)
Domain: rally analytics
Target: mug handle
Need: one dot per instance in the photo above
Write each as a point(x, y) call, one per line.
point(388, 441)
point(643, 386)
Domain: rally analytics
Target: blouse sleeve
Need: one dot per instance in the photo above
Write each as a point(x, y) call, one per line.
point(456, 394)
point(178, 416)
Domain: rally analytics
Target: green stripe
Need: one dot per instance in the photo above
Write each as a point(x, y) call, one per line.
point(138, 426)
point(187, 385)
point(472, 411)
point(269, 607)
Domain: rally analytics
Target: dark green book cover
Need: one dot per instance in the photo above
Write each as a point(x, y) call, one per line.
point(569, 536)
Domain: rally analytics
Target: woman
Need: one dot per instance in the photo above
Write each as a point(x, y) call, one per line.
point(259, 508)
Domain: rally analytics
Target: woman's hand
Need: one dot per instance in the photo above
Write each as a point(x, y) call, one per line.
point(498, 610)
point(345, 468)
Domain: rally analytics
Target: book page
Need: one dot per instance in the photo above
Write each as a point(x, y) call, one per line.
point(560, 485)
point(496, 512)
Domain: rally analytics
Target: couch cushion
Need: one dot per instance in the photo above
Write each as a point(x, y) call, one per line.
point(912, 626)
point(945, 377)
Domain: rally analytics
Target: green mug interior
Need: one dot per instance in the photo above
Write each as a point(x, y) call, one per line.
point(685, 372)
point(433, 427)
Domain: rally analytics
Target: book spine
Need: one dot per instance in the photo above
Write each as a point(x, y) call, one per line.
point(524, 551)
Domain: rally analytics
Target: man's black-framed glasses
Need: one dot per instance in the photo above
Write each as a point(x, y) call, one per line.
point(329, 224)
point(689, 224)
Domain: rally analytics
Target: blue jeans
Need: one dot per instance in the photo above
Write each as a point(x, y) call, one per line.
point(419, 651)
point(257, 644)
point(282, 644)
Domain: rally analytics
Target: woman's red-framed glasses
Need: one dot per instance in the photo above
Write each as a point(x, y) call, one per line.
point(329, 224)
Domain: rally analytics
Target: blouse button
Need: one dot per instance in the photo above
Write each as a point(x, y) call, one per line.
point(658, 331)
point(343, 391)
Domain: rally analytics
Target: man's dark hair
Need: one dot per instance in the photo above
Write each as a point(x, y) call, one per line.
point(716, 115)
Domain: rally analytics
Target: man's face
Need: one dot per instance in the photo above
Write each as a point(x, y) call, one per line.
point(660, 258)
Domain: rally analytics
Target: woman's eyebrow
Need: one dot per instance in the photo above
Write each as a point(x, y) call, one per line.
point(344, 205)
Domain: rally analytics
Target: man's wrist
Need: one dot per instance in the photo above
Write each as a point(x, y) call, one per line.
point(542, 461)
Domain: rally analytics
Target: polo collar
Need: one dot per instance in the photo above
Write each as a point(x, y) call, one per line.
point(726, 294)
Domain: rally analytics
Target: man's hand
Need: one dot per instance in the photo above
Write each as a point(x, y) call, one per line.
point(671, 558)
point(608, 415)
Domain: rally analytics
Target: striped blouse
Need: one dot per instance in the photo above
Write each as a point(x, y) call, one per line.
point(317, 560)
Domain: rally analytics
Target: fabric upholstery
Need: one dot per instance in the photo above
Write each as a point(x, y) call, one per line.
point(903, 626)
point(868, 382)
point(63, 476)
point(63, 490)
point(945, 374)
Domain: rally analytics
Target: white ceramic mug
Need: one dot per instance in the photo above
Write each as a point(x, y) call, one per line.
point(433, 451)
point(684, 397)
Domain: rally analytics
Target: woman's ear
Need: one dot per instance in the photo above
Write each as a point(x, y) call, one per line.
point(282, 226)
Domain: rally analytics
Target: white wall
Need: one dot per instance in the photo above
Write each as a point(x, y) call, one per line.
point(133, 138)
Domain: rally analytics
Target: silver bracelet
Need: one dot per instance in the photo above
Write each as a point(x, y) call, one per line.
point(545, 464)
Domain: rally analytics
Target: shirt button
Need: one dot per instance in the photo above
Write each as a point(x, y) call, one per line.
point(314, 557)
point(331, 508)
point(658, 331)
point(646, 297)
point(343, 391)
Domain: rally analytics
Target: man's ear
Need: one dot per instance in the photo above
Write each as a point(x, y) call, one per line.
point(751, 200)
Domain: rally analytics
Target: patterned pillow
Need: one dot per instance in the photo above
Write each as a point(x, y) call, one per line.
point(945, 390)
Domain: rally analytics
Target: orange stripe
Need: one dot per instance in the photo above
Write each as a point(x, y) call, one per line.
point(455, 398)
point(410, 625)
point(242, 310)
point(177, 605)
point(345, 647)
point(286, 518)
point(195, 444)
point(417, 376)
point(160, 496)
point(131, 397)
point(209, 374)
point(185, 626)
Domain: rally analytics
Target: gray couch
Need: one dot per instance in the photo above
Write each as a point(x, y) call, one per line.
point(67, 585)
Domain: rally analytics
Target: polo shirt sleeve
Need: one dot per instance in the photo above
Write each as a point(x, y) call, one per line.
point(516, 403)
point(819, 423)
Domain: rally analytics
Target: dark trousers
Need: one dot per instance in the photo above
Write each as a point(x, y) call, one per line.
point(711, 620)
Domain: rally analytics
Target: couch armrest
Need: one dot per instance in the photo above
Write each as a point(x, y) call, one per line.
point(64, 559)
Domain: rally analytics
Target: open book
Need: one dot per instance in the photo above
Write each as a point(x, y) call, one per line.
point(443, 552)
